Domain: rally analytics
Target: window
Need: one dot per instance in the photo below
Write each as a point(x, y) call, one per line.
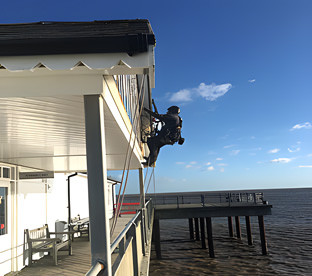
point(3, 211)
point(6, 172)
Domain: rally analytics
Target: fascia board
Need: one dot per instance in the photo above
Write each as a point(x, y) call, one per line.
point(51, 85)
point(69, 62)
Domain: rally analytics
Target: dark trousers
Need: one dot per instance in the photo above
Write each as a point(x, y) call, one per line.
point(154, 145)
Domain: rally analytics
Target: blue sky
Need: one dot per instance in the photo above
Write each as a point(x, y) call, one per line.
point(241, 73)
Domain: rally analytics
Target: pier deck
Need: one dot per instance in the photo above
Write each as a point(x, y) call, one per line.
point(200, 214)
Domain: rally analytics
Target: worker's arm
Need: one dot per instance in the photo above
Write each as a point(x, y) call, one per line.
point(156, 115)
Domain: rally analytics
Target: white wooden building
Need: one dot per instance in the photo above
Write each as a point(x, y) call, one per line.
point(70, 101)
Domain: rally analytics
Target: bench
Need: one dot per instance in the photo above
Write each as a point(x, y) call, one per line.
point(40, 240)
point(81, 226)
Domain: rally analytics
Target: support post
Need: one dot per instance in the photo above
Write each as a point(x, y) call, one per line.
point(196, 229)
point(262, 235)
point(210, 238)
point(248, 228)
point(142, 193)
point(191, 228)
point(238, 228)
point(230, 224)
point(202, 232)
point(97, 181)
point(142, 206)
point(156, 235)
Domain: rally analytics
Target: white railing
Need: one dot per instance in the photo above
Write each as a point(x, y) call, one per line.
point(132, 241)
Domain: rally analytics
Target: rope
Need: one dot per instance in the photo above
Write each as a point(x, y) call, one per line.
point(128, 157)
point(149, 182)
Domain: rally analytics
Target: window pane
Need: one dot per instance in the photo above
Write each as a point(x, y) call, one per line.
point(3, 210)
point(6, 172)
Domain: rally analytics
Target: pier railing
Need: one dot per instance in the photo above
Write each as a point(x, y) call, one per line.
point(211, 199)
point(130, 245)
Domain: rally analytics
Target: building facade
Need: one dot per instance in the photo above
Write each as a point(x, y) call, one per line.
point(71, 97)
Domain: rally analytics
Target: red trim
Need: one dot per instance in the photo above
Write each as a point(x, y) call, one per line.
point(132, 203)
point(127, 213)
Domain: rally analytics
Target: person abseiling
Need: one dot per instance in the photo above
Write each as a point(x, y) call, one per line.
point(169, 134)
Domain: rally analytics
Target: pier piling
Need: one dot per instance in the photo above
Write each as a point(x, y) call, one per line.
point(262, 235)
point(156, 235)
point(248, 228)
point(196, 229)
point(230, 224)
point(191, 228)
point(210, 239)
point(238, 228)
point(202, 233)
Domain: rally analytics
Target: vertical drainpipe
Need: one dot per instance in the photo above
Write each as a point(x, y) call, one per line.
point(69, 205)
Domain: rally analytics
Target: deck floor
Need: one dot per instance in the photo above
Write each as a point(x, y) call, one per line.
point(77, 264)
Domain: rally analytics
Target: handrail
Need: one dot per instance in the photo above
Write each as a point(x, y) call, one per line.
point(125, 236)
point(232, 198)
point(95, 269)
point(123, 233)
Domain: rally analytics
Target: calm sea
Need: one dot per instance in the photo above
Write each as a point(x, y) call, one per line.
point(288, 232)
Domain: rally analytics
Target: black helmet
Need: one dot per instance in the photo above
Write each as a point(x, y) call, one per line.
point(174, 109)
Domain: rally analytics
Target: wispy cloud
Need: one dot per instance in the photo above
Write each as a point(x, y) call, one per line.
point(209, 92)
point(228, 146)
point(222, 170)
point(305, 166)
point(181, 96)
point(281, 160)
point(188, 166)
point(274, 151)
point(222, 165)
point(219, 159)
point(235, 152)
point(294, 150)
point(180, 163)
point(208, 164)
point(306, 125)
point(211, 168)
point(253, 80)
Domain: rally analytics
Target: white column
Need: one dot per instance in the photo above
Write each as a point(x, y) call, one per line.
point(97, 181)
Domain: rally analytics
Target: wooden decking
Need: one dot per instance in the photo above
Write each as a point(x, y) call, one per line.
point(77, 264)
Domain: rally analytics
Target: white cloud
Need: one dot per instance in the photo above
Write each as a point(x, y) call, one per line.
point(295, 150)
point(281, 160)
point(222, 165)
point(274, 151)
point(222, 170)
point(305, 166)
point(306, 125)
point(209, 92)
point(212, 91)
point(208, 164)
point(229, 146)
point(193, 162)
point(219, 159)
point(235, 152)
point(211, 168)
point(253, 80)
point(188, 166)
point(181, 96)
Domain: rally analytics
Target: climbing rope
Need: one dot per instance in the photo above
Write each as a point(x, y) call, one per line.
point(128, 156)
